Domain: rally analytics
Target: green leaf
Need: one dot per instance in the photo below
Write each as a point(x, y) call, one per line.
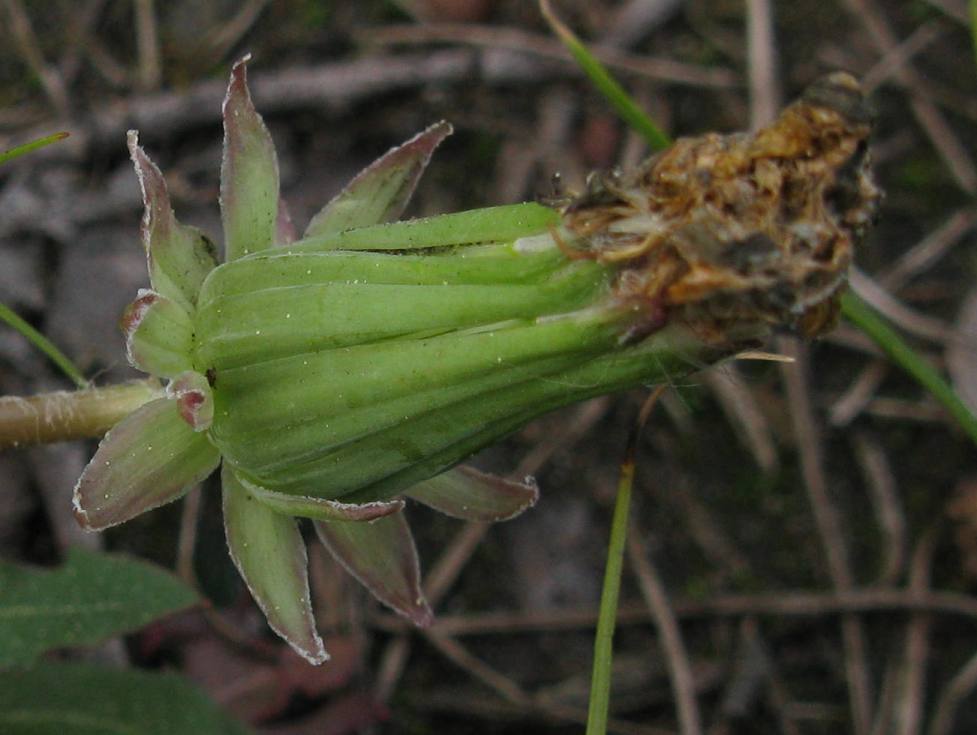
point(150, 458)
point(249, 173)
point(269, 552)
point(382, 556)
point(159, 335)
point(380, 192)
point(82, 699)
point(179, 256)
point(91, 597)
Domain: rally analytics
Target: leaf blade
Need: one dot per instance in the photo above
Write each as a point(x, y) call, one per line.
point(91, 597)
point(57, 698)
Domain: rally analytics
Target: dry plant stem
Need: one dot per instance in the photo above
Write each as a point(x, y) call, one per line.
point(902, 54)
point(147, 43)
point(764, 101)
point(928, 250)
point(66, 415)
point(910, 701)
point(794, 604)
point(438, 581)
point(960, 686)
point(885, 499)
point(929, 117)
point(23, 33)
point(676, 657)
point(545, 47)
point(829, 529)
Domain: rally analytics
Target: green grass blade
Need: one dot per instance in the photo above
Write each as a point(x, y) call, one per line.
point(872, 324)
point(44, 345)
point(20, 150)
point(600, 685)
point(620, 100)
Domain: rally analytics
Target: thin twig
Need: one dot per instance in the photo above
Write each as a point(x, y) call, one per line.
point(885, 499)
point(676, 657)
point(901, 54)
point(147, 43)
point(859, 394)
point(928, 250)
point(909, 714)
point(50, 78)
point(829, 528)
point(959, 687)
point(783, 603)
point(762, 63)
point(954, 155)
point(439, 580)
point(545, 47)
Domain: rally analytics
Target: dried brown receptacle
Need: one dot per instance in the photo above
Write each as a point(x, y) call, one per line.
point(721, 229)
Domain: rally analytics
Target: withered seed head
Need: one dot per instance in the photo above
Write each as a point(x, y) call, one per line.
point(723, 229)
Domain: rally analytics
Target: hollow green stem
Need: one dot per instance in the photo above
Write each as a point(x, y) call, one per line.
point(600, 686)
point(65, 415)
point(865, 318)
point(44, 345)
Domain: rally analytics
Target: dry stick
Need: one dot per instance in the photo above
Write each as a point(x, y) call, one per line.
point(762, 63)
point(910, 702)
point(439, 579)
point(676, 657)
point(513, 693)
point(77, 34)
point(187, 539)
point(229, 33)
point(954, 155)
point(147, 45)
point(859, 394)
point(23, 33)
point(896, 57)
point(784, 603)
point(741, 410)
point(667, 70)
point(959, 687)
point(829, 529)
point(908, 319)
point(928, 250)
point(885, 499)
point(802, 417)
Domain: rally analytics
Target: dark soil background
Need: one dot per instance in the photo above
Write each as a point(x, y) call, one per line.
point(804, 544)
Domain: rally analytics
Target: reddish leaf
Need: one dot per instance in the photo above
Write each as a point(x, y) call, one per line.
point(466, 493)
point(381, 191)
point(381, 555)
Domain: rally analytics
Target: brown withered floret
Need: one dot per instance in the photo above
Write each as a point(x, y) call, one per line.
point(722, 229)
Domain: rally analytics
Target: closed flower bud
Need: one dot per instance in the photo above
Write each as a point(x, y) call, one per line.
point(337, 374)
